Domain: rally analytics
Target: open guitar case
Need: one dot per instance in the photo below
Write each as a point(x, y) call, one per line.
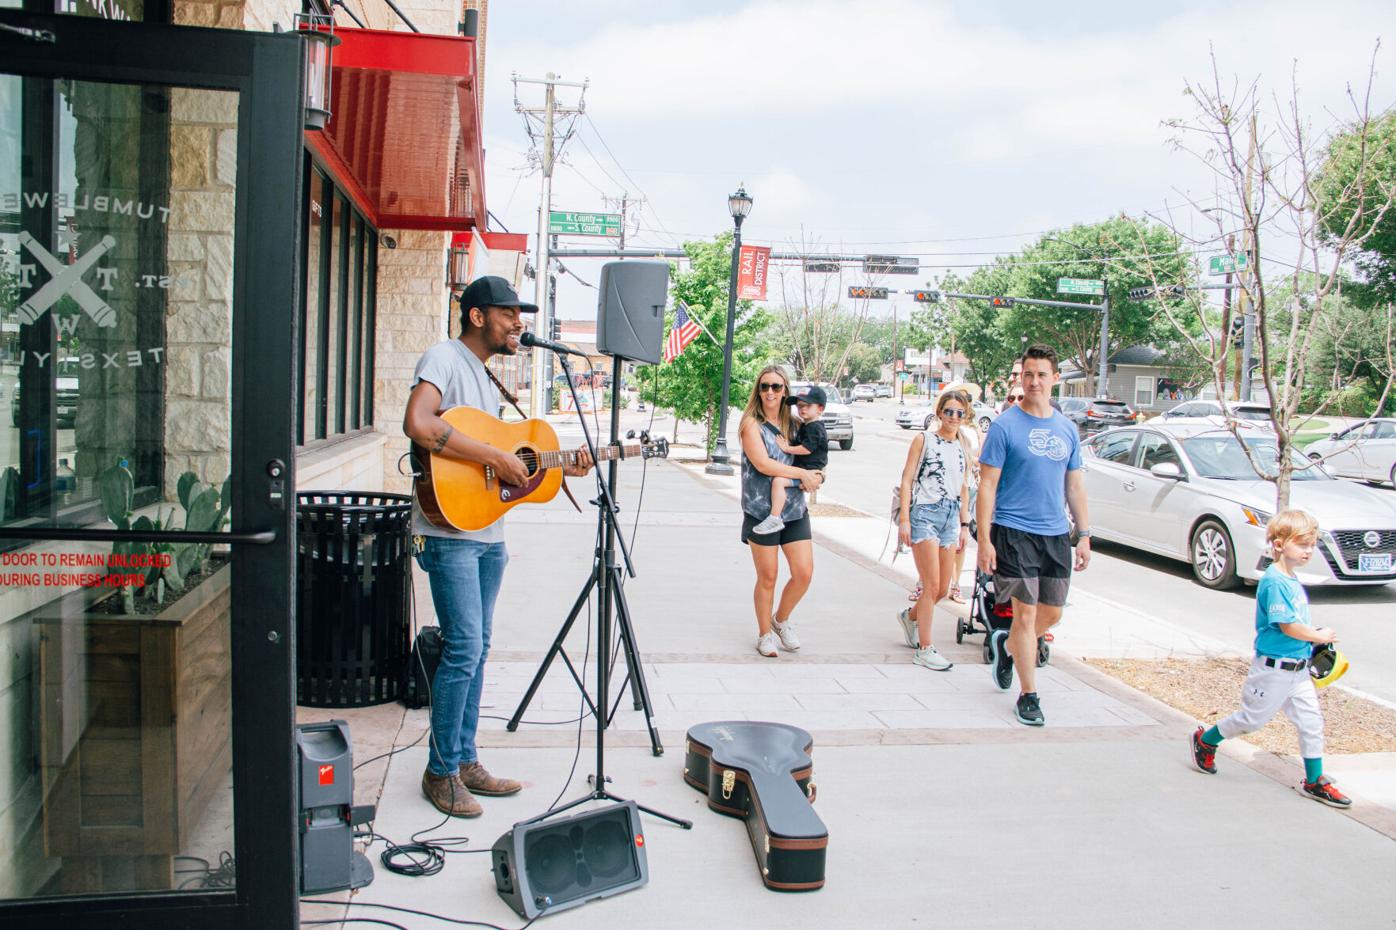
point(762, 773)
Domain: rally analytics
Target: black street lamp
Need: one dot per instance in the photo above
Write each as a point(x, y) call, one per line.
point(739, 205)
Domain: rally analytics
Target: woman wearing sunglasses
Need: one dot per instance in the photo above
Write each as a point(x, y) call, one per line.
point(934, 519)
point(767, 416)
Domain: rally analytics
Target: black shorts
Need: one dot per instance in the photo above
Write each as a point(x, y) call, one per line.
point(1034, 569)
point(793, 532)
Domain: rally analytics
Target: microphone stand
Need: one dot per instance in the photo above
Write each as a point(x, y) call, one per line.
point(607, 574)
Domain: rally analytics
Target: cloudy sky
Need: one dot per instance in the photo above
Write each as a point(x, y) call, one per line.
point(948, 130)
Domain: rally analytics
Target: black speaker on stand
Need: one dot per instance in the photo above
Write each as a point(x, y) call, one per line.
point(630, 311)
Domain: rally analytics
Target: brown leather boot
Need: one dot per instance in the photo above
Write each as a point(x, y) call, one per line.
point(474, 777)
point(450, 796)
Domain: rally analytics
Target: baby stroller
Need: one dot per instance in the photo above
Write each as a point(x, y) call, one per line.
point(993, 620)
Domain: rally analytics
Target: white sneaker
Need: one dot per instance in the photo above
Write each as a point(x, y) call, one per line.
point(909, 632)
point(930, 658)
point(788, 640)
point(766, 645)
point(772, 524)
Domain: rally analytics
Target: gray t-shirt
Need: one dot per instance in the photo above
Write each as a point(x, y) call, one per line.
point(461, 378)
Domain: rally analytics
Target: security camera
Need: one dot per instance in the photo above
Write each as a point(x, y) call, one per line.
point(387, 241)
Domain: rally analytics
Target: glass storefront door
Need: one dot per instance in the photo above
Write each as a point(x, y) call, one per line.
point(144, 560)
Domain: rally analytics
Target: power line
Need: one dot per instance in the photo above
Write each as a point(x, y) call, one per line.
point(638, 188)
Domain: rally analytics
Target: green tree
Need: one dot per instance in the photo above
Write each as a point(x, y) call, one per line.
point(1354, 188)
point(981, 333)
point(691, 385)
point(864, 363)
point(1126, 254)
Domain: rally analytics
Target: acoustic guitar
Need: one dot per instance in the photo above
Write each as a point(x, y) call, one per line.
point(470, 496)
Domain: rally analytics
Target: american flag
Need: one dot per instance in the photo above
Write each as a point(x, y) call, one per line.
point(684, 331)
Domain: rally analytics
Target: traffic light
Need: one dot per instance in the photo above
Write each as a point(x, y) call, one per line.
point(1141, 293)
point(555, 329)
point(1000, 302)
point(867, 293)
point(1238, 331)
point(926, 297)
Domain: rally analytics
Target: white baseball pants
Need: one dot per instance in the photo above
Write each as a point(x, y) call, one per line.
point(1268, 691)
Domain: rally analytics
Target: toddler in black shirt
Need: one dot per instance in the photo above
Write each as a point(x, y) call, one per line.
point(810, 449)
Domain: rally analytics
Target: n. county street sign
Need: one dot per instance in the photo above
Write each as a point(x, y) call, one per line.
point(583, 224)
point(1091, 287)
point(1228, 264)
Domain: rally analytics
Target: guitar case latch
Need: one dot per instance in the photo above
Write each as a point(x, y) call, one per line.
point(729, 781)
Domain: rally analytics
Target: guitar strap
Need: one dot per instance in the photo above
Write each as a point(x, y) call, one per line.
point(514, 401)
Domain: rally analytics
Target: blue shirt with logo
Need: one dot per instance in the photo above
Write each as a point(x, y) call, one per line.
point(1034, 454)
point(1280, 599)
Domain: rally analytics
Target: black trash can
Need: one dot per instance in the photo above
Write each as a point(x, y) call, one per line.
point(354, 568)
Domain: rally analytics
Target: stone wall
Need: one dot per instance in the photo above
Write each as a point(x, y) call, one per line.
point(199, 315)
point(412, 317)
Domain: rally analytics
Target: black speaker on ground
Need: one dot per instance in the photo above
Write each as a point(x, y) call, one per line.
point(630, 309)
point(551, 865)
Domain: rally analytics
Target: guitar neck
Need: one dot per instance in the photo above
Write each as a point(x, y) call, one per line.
point(561, 458)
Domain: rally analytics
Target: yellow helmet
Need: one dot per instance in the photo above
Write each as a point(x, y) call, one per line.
point(1327, 665)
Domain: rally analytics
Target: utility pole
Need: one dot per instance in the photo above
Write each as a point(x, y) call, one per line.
point(540, 391)
point(896, 359)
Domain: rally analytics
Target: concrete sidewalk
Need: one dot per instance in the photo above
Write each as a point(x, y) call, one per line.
point(940, 808)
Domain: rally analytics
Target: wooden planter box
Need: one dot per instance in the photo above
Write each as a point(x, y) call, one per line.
point(135, 734)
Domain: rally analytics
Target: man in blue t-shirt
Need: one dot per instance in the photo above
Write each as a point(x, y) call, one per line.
point(1029, 474)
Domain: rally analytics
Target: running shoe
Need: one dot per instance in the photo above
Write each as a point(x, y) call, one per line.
point(1028, 711)
point(1001, 660)
point(785, 632)
point(1204, 755)
point(766, 645)
point(772, 524)
point(1325, 792)
point(931, 658)
point(909, 633)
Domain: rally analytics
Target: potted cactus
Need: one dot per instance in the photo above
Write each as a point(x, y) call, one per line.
point(205, 510)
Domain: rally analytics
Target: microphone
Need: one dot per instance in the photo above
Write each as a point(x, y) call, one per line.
point(534, 342)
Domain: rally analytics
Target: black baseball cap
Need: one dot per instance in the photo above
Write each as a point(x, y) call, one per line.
point(814, 394)
point(493, 291)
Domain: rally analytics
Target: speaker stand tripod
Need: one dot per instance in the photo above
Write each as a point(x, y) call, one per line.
point(606, 576)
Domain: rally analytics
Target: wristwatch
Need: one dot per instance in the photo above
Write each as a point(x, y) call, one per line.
point(963, 523)
point(1083, 534)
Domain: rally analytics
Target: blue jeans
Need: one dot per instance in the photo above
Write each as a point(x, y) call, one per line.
point(465, 577)
point(939, 521)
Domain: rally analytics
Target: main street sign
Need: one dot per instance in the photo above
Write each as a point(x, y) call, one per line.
point(583, 224)
point(1090, 287)
point(890, 264)
point(821, 267)
point(1228, 264)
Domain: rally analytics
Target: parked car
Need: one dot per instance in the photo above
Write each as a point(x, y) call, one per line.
point(1366, 451)
point(837, 419)
point(1187, 490)
point(883, 390)
point(923, 416)
point(1097, 414)
point(1252, 411)
point(865, 392)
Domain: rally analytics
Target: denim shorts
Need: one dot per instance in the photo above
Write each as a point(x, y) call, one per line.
point(939, 521)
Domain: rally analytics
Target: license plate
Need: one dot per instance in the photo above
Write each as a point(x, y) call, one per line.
point(1374, 562)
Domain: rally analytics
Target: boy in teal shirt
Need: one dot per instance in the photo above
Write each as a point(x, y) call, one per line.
point(1279, 676)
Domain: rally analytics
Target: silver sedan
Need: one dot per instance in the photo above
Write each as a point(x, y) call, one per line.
point(1366, 451)
point(1190, 492)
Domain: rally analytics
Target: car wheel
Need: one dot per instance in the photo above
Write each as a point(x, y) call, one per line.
point(984, 423)
point(1213, 556)
point(927, 425)
point(904, 426)
point(1392, 476)
point(1315, 456)
point(845, 444)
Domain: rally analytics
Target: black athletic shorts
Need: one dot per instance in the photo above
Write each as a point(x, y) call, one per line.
point(1034, 569)
point(793, 532)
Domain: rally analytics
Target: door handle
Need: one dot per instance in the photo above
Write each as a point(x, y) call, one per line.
point(1129, 485)
point(250, 537)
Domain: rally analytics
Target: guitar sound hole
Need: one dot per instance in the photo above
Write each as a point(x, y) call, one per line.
point(529, 458)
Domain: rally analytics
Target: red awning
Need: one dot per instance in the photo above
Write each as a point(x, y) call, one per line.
point(404, 137)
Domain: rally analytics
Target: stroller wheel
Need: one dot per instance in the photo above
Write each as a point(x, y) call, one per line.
point(1044, 652)
point(959, 631)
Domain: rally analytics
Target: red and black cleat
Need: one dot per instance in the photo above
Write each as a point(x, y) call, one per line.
point(1204, 755)
point(1325, 792)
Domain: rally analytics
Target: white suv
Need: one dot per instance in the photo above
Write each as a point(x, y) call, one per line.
point(837, 419)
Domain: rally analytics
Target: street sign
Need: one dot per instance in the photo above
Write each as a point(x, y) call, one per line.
point(890, 264)
point(561, 223)
point(926, 297)
point(821, 267)
point(1228, 264)
point(1091, 287)
point(867, 293)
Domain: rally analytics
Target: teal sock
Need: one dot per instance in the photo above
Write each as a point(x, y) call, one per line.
point(1313, 770)
point(1213, 737)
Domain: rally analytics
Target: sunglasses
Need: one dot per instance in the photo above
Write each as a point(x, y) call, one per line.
point(1014, 398)
point(953, 414)
point(774, 387)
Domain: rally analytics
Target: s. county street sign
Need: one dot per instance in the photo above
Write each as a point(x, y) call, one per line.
point(1090, 287)
point(583, 224)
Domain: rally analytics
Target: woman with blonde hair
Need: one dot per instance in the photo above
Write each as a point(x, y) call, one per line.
point(767, 416)
point(934, 519)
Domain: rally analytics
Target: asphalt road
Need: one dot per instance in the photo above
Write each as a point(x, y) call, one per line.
point(1365, 618)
